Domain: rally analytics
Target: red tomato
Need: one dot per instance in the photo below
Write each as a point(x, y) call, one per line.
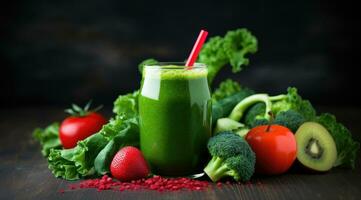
point(275, 148)
point(73, 128)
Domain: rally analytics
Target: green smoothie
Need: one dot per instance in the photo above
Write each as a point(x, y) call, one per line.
point(175, 118)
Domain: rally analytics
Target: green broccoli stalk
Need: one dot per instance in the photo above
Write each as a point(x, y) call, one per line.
point(239, 110)
point(231, 156)
point(223, 107)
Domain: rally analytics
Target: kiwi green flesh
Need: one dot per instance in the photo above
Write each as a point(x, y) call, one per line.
point(316, 148)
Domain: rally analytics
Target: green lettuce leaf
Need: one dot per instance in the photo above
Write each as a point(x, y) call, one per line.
point(225, 89)
point(48, 138)
point(347, 148)
point(72, 164)
point(231, 49)
point(128, 136)
point(79, 162)
point(236, 45)
point(127, 105)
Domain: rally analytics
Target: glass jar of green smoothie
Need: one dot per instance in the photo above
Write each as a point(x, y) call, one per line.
point(175, 118)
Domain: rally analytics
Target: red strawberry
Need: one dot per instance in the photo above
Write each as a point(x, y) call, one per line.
point(129, 164)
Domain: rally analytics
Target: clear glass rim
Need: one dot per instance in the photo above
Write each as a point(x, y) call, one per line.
point(174, 65)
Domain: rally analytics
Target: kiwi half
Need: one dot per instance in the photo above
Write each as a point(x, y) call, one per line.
point(316, 149)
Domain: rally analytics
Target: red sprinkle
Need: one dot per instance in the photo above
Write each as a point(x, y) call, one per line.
point(156, 183)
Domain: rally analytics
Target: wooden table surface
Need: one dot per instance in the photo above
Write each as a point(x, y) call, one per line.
point(24, 173)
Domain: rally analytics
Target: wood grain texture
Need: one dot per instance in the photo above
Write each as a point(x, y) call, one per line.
point(24, 173)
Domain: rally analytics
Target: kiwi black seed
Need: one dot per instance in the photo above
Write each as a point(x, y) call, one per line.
point(316, 148)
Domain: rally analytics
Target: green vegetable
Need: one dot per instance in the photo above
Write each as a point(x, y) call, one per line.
point(347, 148)
point(231, 156)
point(223, 107)
point(127, 105)
point(226, 124)
point(290, 110)
point(239, 110)
point(293, 101)
point(290, 119)
point(48, 138)
point(230, 49)
point(128, 135)
point(72, 164)
point(226, 88)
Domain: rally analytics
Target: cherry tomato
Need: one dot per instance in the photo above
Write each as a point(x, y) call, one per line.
point(76, 128)
point(275, 148)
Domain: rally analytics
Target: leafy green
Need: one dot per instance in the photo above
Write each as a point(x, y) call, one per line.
point(347, 148)
point(127, 105)
point(237, 44)
point(230, 49)
point(48, 138)
point(72, 164)
point(225, 89)
point(127, 135)
point(293, 101)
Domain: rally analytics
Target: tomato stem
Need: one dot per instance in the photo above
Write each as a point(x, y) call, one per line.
point(77, 111)
point(270, 122)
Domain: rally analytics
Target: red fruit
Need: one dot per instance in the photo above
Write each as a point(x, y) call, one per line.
point(275, 148)
point(74, 129)
point(129, 164)
point(81, 124)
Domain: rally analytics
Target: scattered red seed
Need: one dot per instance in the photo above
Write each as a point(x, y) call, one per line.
point(156, 183)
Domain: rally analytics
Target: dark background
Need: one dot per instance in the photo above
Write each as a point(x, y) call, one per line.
point(59, 52)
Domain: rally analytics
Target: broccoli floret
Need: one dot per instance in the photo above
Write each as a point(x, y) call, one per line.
point(231, 156)
point(293, 101)
point(290, 119)
point(255, 115)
